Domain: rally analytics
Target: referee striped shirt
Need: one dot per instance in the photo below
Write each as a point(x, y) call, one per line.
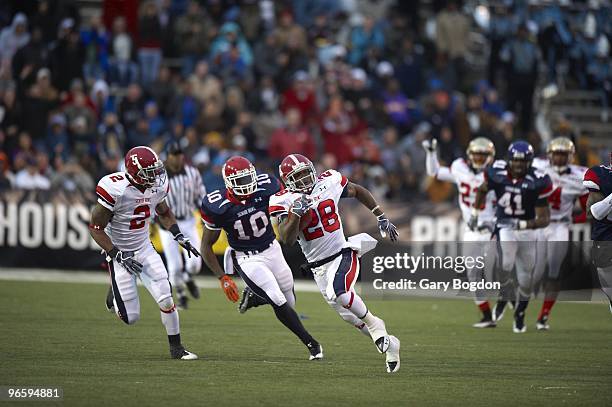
point(186, 191)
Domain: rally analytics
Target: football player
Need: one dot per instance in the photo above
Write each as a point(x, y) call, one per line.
point(598, 180)
point(120, 225)
point(307, 211)
point(554, 238)
point(241, 209)
point(468, 175)
point(522, 206)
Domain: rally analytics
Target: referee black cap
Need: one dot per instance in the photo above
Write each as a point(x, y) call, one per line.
point(175, 148)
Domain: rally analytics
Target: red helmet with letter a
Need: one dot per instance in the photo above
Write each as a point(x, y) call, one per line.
point(240, 176)
point(298, 173)
point(144, 167)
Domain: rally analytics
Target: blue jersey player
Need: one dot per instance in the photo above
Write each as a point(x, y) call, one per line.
point(598, 180)
point(521, 192)
point(241, 210)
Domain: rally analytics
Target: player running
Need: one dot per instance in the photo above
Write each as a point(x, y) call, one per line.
point(567, 191)
point(598, 180)
point(120, 225)
point(307, 211)
point(186, 193)
point(241, 209)
point(521, 192)
point(468, 175)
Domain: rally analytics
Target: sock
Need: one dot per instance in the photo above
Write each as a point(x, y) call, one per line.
point(353, 302)
point(174, 340)
point(485, 309)
point(546, 307)
point(170, 319)
point(290, 319)
point(521, 307)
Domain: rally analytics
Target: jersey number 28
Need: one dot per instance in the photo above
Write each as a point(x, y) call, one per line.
point(327, 216)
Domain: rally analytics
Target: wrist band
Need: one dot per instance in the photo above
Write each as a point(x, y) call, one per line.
point(380, 216)
point(375, 208)
point(522, 224)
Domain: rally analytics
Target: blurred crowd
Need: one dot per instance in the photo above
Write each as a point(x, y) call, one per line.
point(353, 84)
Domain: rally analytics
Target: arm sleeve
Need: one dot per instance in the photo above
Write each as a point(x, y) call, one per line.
point(208, 218)
point(546, 188)
point(278, 206)
point(432, 166)
point(106, 194)
point(602, 209)
point(591, 180)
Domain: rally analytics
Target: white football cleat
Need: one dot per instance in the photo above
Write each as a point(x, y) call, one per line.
point(392, 356)
point(378, 332)
point(542, 324)
point(316, 351)
point(182, 354)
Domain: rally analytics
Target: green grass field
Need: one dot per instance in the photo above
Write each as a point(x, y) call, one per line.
point(59, 334)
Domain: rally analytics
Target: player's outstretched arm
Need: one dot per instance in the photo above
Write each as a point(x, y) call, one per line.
point(481, 195)
point(432, 165)
point(598, 206)
point(209, 237)
point(367, 199)
point(168, 221)
point(100, 216)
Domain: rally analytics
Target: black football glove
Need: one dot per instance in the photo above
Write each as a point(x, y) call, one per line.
point(387, 228)
point(186, 244)
point(126, 259)
point(472, 223)
point(301, 206)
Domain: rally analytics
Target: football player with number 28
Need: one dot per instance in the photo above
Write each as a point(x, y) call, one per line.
point(553, 240)
point(120, 225)
point(522, 207)
point(307, 211)
point(468, 175)
point(241, 209)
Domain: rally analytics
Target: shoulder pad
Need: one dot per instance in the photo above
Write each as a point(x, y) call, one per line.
point(110, 188)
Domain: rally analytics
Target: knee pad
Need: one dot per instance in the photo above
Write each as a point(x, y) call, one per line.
point(166, 305)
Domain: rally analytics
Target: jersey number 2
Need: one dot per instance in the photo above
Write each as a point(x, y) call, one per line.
point(143, 212)
point(326, 212)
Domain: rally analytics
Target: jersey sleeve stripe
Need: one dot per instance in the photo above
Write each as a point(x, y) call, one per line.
point(208, 221)
point(276, 208)
point(548, 190)
point(105, 204)
point(343, 181)
point(590, 185)
point(101, 192)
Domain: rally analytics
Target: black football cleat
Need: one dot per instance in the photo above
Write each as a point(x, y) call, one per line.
point(519, 326)
point(316, 351)
point(249, 300)
point(179, 352)
point(193, 289)
point(542, 323)
point(110, 306)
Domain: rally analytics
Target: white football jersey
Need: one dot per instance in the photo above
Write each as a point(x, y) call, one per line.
point(468, 183)
point(323, 236)
point(132, 209)
point(567, 187)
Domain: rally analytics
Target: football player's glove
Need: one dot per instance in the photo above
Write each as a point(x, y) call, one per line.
point(230, 288)
point(386, 227)
point(301, 206)
point(430, 145)
point(186, 244)
point(472, 223)
point(126, 259)
point(488, 226)
point(508, 223)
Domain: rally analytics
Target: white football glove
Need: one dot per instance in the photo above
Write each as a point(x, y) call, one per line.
point(430, 145)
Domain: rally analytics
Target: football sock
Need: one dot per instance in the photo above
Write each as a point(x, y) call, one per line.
point(521, 306)
point(290, 319)
point(353, 302)
point(174, 340)
point(363, 329)
point(170, 319)
point(546, 307)
point(290, 296)
point(485, 309)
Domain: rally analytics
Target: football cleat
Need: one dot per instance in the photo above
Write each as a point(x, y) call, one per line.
point(316, 351)
point(182, 302)
point(249, 300)
point(610, 306)
point(110, 306)
point(519, 326)
point(181, 353)
point(498, 312)
point(392, 359)
point(485, 323)
point(193, 289)
point(542, 323)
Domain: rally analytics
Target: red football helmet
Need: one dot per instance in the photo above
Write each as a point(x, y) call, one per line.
point(239, 176)
point(144, 167)
point(298, 173)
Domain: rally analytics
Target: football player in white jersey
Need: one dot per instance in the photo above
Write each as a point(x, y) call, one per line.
point(468, 175)
point(120, 225)
point(568, 190)
point(307, 211)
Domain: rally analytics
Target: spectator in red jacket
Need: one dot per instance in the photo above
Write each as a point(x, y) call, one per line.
point(302, 97)
point(293, 138)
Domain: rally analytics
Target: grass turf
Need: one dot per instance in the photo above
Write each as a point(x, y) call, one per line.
point(59, 334)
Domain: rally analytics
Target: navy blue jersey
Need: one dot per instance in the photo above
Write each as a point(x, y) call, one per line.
point(517, 198)
point(247, 223)
point(599, 179)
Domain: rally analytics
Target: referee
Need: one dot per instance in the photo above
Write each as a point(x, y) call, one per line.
point(186, 193)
